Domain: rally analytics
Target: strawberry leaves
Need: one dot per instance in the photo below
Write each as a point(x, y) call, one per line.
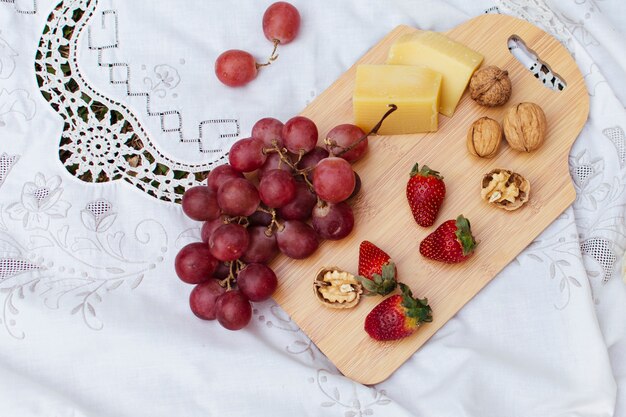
point(381, 284)
point(416, 308)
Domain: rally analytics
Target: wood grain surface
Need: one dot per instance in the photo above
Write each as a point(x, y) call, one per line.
point(383, 216)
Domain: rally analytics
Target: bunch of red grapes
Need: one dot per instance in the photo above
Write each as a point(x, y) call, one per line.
point(280, 192)
point(281, 24)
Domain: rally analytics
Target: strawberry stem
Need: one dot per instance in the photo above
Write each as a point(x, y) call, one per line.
point(425, 172)
point(417, 308)
point(464, 235)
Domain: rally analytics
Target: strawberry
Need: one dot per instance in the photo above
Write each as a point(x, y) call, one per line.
point(451, 242)
point(377, 273)
point(397, 316)
point(425, 192)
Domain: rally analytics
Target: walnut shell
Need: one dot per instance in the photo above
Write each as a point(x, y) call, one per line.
point(505, 189)
point(525, 127)
point(490, 86)
point(335, 288)
point(484, 137)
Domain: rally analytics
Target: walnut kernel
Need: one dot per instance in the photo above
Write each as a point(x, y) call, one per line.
point(525, 127)
point(490, 86)
point(484, 137)
point(505, 189)
point(335, 288)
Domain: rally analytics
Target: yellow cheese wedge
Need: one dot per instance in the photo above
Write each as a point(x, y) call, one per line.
point(415, 90)
point(456, 62)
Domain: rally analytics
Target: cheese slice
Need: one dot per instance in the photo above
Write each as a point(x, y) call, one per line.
point(455, 61)
point(415, 90)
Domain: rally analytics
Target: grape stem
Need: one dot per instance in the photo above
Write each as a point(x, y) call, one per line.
point(272, 57)
point(282, 152)
point(273, 223)
point(375, 129)
point(234, 268)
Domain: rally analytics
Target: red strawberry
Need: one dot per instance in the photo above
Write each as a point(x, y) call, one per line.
point(376, 271)
point(425, 192)
point(451, 242)
point(397, 316)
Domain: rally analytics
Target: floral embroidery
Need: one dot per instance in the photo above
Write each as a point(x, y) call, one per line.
point(360, 401)
point(16, 101)
point(97, 263)
point(7, 59)
point(40, 202)
point(167, 78)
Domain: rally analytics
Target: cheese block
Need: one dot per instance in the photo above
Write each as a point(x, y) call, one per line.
point(456, 62)
point(415, 90)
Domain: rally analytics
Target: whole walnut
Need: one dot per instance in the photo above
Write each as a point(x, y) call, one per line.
point(484, 137)
point(490, 86)
point(525, 126)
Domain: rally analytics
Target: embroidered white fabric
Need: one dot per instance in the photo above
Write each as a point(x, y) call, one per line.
point(109, 109)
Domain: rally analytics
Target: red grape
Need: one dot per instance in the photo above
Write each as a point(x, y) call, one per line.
point(357, 186)
point(233, 310)
point(238, 197)
point(219, 175)
point(246, 155)
point(235, 68)
point(268, 130)
point(209, 226)
point(261, 248)
point(257, 282)
point(200, 203)
point(311, 159)
point(222, 271)
point(344, 136)
point(260, 218)
point(301, 206)
point(333, 179)
point(300, 135)
point(297, 239)
point(277, 188)
point(333, 221)
point(194, 263)
point(273, 161)
point(203, 297)
point(281, 22)
point(229, 241)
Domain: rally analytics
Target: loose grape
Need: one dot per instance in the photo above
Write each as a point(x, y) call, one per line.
point(194, 263)
point(229, 241)
point(333, 179)
point(235, 68)
point(233, 310)
point(257, 282)
point(281, 22)
point(203, 297)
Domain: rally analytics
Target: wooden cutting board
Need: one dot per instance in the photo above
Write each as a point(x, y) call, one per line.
point(383, 216)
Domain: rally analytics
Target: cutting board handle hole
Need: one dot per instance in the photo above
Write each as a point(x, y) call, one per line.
point(533, 63)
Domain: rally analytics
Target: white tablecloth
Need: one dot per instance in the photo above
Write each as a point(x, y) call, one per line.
point(94, 322)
